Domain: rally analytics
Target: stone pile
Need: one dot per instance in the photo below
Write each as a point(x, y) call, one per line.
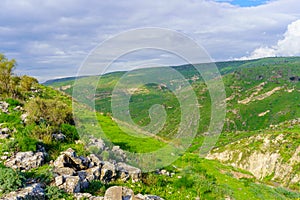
point(74, 173)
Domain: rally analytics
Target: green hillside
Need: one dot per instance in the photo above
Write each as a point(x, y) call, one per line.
point(262, 102)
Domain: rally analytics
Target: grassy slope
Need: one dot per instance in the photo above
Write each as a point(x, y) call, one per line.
point(241, 84)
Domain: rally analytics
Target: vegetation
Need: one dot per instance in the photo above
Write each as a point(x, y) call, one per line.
point(260, 94)
point(10, 180)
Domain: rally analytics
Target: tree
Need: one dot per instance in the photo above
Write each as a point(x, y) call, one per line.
point(26, 83)
point(6, 69)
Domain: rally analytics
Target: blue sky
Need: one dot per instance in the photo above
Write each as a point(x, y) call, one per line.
point(51, 38)
point(245, 3)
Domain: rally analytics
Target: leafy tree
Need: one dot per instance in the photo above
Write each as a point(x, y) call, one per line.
point(27, 82)
point(6, 69)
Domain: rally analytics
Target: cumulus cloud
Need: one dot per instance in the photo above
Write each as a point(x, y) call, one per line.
point(51, 38)
point(288, 46)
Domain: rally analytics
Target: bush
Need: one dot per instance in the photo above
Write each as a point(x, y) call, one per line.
point(53, 192)
point(10, 180)
point(70, 132)
point(42, 174)
point(50, 111)
point(13, 102)
point(25, 143)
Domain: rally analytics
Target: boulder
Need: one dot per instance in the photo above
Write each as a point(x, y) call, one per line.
point(4, 133)
point(26, 160)
point(119, 153)
point(65, 171)
point(69, 159)
point(33, 192)
point(4, 106)
point(97, 143)
point(80, 196)
point(127, 172)
point(119, 193)
point(70, 184)
point(59, 136)
point(108, 172)
point(94, 160)
point(24, 117)
point(147, 197)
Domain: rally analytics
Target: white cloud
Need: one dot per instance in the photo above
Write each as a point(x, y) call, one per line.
point(288, 46)
point(55, 35)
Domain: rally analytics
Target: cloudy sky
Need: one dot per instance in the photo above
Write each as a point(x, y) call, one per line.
point(51, 38)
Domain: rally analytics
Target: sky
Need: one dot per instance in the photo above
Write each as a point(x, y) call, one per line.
point(51, 38)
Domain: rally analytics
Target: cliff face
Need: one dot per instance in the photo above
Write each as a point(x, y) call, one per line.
point(271, 157)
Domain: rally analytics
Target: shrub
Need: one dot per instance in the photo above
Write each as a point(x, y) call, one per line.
point(70, 132)
point(10, 180)
point(42, 174)
point(13, 102)
point(53, 192)
point(50, 111)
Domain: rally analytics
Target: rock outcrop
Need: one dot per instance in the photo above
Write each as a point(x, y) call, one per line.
point(263, 157)
point(25, 160)
point(34, 192)
point(74, 173)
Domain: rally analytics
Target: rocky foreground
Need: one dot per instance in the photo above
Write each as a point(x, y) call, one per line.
point(74, 173)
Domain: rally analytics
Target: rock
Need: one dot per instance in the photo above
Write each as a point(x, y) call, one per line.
point(24, 117)
point(69, 159)
point(71, 184)
point(118, 193)
point(26, 160)
point(59, 137)
point(4, 157)
point(4, 136)
point(108, 172)
point(119, 153)
point(93, 173)
point(4, 133)
point(126, 172)
point(59, 180)
point(147, 197)
point(4, 106)
point(18, 108)
point(33, 192)
point(80, 196)
point(65, 171)
point(75, 173)
point(94, 160)
point(97, 144)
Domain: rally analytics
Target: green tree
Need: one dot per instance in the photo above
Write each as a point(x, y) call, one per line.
point(6, 69)
point(26, 83)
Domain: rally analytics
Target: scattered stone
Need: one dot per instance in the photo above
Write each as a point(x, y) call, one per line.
point(97, 144)
point(4, 106)
point(4, 133)
point(59, 137)
point(26, 160)
point(119, 153)
point(24, 117)
point(18, 108)
point(34, 191)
